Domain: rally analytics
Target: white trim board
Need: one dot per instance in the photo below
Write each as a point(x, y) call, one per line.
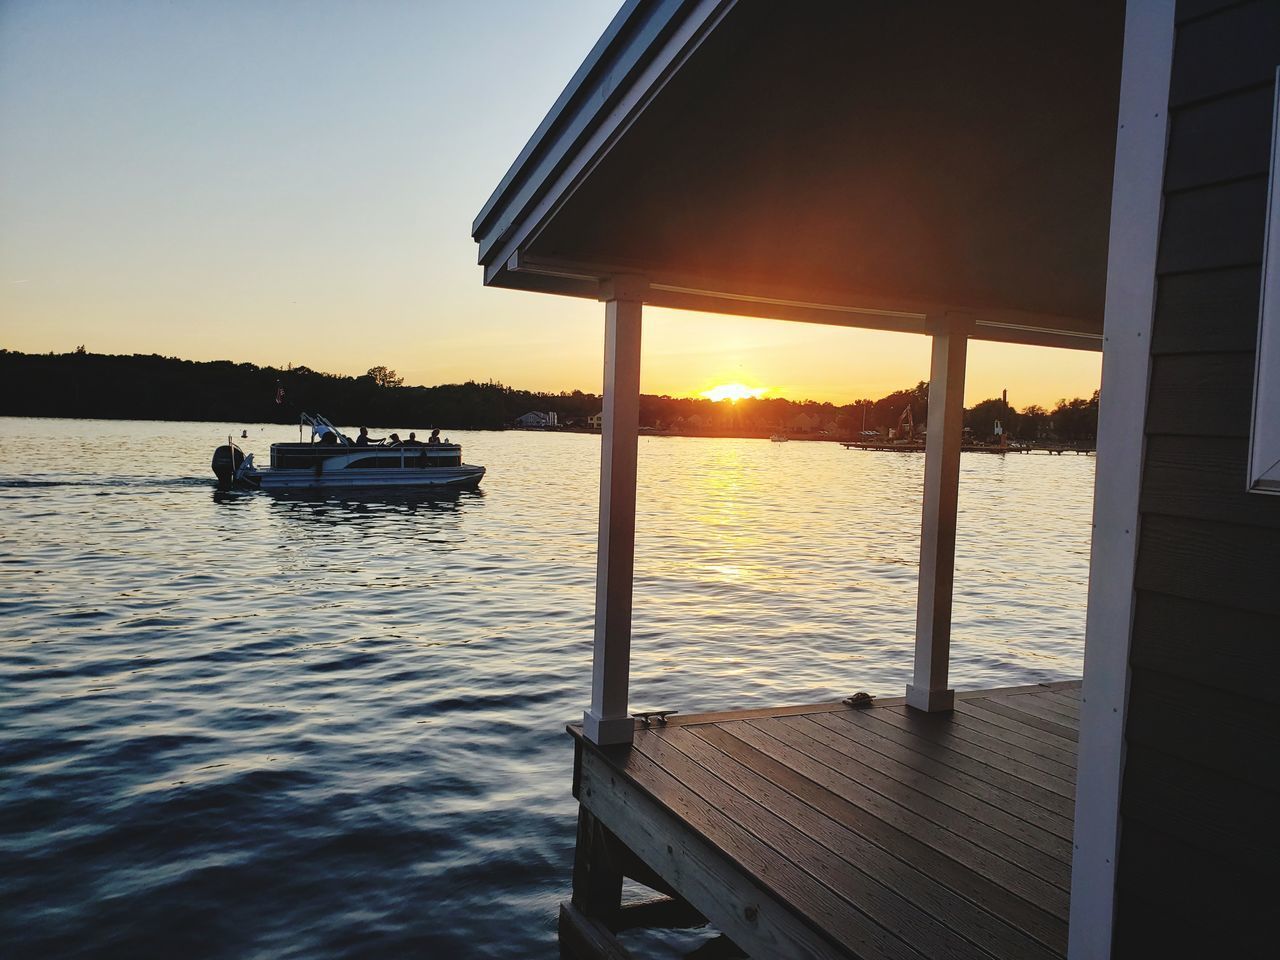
point(603, 132)
point(1136, 205)
point(1264, 437)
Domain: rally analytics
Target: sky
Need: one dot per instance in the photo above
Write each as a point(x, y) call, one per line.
point(293, 181)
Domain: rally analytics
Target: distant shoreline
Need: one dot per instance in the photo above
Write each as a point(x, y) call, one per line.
point(234, 426)
point(398, 425)
point(84, 385)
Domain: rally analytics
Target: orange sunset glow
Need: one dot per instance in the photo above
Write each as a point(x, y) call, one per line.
point(733, 392)
point(340, 272)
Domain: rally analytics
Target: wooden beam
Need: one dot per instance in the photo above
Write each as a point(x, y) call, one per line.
point(597, 875)
point(681, 291)
point(928, 689)
point(668, 913)
point(710, 880)
point(585, 938)
point(607, 721)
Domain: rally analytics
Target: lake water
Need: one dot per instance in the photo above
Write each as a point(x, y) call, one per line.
point(238, 726)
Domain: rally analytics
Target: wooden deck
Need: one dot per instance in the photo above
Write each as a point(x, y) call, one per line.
point(831, 831)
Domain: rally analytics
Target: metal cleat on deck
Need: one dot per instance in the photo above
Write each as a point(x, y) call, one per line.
point(859, 701)
point(660, 716)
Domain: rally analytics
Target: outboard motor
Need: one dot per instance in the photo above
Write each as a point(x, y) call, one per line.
point(226, 461)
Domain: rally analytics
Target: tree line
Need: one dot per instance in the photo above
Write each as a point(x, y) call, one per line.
point(149, 387)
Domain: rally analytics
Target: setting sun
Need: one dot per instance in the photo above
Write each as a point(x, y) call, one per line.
point(734, 392)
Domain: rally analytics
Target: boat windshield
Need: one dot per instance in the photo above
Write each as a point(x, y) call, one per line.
point(320, 427)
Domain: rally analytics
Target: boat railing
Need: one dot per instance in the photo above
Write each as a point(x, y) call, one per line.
point(305, 455)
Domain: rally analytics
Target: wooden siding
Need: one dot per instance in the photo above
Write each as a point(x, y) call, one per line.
point(874, 833)
point(1198, 855)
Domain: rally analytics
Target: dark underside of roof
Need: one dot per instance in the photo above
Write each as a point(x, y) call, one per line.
point(913, 156)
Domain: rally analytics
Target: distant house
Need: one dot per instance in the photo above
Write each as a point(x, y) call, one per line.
point(537, 420)
point(803, 423)
point(596, 421)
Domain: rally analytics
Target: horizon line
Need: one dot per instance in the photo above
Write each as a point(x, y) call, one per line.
point(292, 368)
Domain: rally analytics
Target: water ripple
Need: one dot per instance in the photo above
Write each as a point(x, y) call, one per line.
point(251, 727)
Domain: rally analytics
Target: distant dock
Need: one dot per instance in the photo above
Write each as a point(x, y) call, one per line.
point(918, 447)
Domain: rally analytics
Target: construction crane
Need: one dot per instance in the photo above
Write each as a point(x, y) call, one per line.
point(910, 429)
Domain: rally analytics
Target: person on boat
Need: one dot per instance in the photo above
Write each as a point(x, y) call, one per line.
point(364, 440)
point(434, 438)
point(413, 441)
point(323, 435)
point(395, 441)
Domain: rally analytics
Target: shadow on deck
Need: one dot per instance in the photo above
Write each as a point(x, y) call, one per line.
point(828, 831)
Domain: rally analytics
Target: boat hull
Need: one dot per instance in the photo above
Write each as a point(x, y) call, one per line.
point(463, 477)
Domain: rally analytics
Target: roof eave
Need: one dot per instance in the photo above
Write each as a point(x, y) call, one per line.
point(683, 292)
point(642, 47)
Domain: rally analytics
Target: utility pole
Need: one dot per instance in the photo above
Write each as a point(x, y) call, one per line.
point(1004, 418)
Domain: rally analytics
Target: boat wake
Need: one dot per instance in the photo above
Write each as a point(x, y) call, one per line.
point(100, 481)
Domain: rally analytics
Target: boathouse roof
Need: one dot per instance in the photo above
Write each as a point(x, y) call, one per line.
point(849, 163)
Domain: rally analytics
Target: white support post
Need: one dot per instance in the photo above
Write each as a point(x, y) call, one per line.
point(1137, 203)
point(607, 722)
point(928, 689)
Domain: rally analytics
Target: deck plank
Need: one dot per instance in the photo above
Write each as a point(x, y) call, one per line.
point(875, 819)
point(938, 748)
point(1064, 711)
point(919, 806)
point(865, 878)
point(872, 735)
point(1049, 855)
point(1068, 700)
point(1038, 707)
point(735, 828)
point(1019, 764)
point(884, 833)
point(1021, 711)
point(718, 885)
point(990, 713)
point(1008, 741)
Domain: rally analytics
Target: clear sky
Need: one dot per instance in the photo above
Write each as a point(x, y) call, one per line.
point(293, 181)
